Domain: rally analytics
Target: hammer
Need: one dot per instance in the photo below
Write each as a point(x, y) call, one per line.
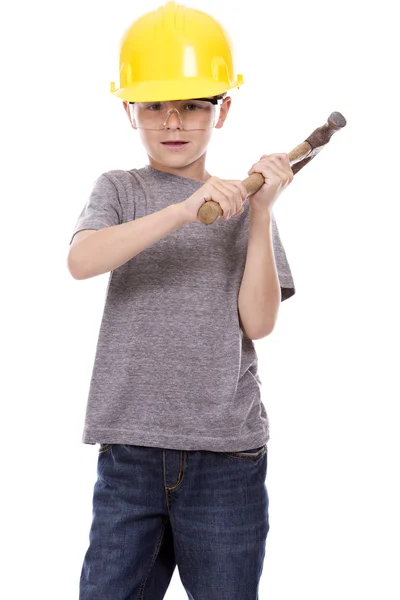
point(299, 156)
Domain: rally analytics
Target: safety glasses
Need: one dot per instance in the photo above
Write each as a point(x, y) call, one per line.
point(189, 115)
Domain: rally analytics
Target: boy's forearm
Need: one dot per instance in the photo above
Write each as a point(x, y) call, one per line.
point(260, 294)
point(111, 247)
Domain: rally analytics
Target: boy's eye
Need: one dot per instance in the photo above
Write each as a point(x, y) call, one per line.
point(155, 106)
point(188, 106)
point(193, 106)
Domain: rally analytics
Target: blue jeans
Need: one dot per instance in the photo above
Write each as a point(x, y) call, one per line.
point(156, 508)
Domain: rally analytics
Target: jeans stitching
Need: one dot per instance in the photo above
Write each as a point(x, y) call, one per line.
point(240, 456)
point(180, 475)
point(105, 448)
point(153, 560)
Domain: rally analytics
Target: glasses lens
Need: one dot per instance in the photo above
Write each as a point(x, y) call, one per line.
point(186, 114)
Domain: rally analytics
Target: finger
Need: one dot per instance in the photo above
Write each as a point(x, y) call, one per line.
point(241, 187)
point(283, 162)
point(239, 212)
point(264, 161)
point(270, 170)
point(272, 176)
point(280, 169)
point(277, 159)
point(276, 164)
point(239, 194)
point(281, 157)
point(233, 196)
point(263, 157)
point(221, 194)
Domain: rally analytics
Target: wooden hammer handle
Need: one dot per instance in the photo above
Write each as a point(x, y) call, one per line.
point(298, 157)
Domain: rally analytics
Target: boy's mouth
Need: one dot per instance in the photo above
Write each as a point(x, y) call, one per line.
point(175, 145)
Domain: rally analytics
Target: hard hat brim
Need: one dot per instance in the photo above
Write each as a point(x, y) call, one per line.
point(151, 91)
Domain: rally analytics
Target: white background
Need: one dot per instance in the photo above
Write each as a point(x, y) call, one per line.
point(330, 368)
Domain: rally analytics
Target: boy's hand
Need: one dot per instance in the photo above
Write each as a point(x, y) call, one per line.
point(277, 174)
point(230, 195)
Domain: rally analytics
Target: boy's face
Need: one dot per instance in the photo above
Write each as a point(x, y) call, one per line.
point(156, 144)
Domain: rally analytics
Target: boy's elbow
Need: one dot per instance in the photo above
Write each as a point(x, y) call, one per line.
point(262, 333)
point(75, 267)
point(75, 274)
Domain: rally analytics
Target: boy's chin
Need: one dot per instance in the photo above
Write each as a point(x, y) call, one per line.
point(174, 160)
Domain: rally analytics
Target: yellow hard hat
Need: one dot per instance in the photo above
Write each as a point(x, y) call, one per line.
point(175, 53)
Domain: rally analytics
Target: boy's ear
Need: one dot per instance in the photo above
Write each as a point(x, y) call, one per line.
point(126, 108)
point(224, 111)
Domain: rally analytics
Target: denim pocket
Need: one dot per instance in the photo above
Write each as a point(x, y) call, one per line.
point(252, 454)
point(104, 447)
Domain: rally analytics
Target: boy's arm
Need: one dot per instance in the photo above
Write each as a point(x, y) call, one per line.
point(110, 247)
point(260, 293)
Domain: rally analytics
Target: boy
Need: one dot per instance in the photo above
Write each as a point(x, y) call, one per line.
point(174, 399)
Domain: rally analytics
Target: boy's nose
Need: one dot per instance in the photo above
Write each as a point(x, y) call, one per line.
point(173, 120)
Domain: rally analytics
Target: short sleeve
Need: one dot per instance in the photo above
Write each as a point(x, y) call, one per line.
point(282, 265)
point(102, 209)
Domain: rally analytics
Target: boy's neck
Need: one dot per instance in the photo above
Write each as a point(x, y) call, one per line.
point(195, 170)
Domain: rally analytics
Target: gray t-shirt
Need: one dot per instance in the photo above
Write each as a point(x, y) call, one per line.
point(173, 368)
